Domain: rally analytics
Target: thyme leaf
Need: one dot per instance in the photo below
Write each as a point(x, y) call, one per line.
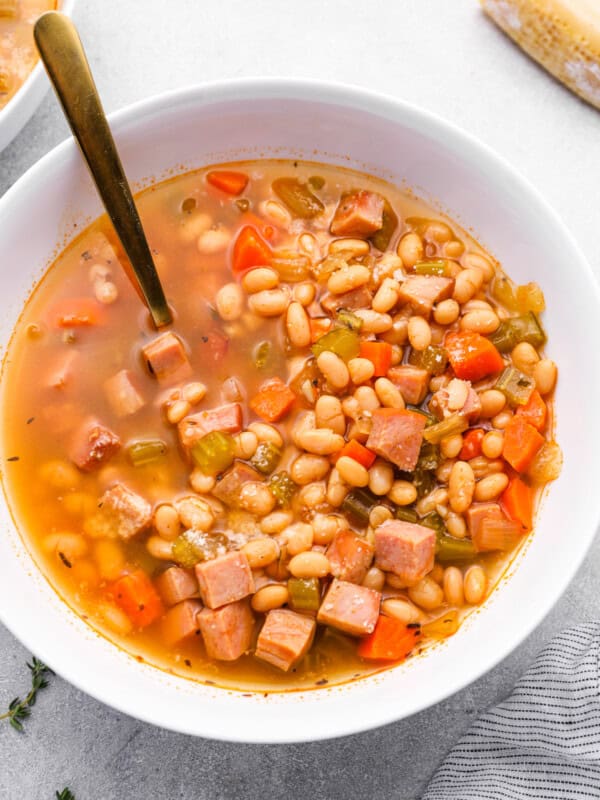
point(19, 709)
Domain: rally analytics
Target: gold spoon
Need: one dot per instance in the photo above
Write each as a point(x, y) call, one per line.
point(64, 58)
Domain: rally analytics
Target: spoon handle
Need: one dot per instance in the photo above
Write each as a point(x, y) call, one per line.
point(64, 58)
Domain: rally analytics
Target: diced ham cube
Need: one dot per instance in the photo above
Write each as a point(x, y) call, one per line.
point(176, 584)
point(126, 512)
point(285, 638)
point(224, 579)
point(228, 487)
point(227, 631)
point(166, 358)
point(412, 382)
point(213, 345)
point(349, 556)
point(122, 395)
point(63, 369)
point(458, 397)
point(404, 548)
point(350, 608)
point(226, 418)
point(359, 213)
point(397, 435)
point(476, 513)
point(422, 291)
point(356, 298)
point(181, 622)
point(93, 445)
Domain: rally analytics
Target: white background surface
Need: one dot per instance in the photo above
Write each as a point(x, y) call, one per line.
point(445, 56)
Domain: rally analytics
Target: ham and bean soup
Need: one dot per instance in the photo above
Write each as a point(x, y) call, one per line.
point(18, 54)
point(323, 465)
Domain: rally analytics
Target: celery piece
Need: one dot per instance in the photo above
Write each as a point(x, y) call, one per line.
point(297, 197)
point(435, 522)
point(145, 451)
point(349, 320)
point(291, 266)
point(443, 626)
point(515, 386)
point(429, 456)
point(525, 328)
point(309, 382)
point(358, 504)
point(304, 594)
point(262, 354)
point(316, 182)
point(266, 457)
point(437, 266)
point(431, 418)
point(434, 359)
point(193, 546)
point(341, 341)
point(214, 452)
point(447, 427)
point(447, 548)
point(282, 487)
point(406, 514)
point(381, 239)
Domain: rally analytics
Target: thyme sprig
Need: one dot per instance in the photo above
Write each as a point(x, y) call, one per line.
point(19, 709)
point(66, 794)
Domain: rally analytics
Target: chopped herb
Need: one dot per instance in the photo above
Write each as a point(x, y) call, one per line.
point(13, 458)
point(30, 420)
point(243, 204)
point(64, 560)
point(19, 710)
point(321, 682)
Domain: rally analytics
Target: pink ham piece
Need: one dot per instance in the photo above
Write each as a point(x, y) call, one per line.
point(406, 549)
point(285, 638)
point(397, 435)
point(422, 291)
point(224, 579)
point(228, 487)
point(166, 358)
point(175, 585)
point(93, 445)
point(126, 512)
point(476, 513)
point(227, 631)
point(181, 622)
point(350, 608)
point(458, 397)
point(359, 213)
point(122, 395)
point(412, 382)
point(349, 556)
point(63, 370)
point(226, 418)
point(357, 298)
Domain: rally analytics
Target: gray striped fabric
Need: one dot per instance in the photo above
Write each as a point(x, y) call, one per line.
point(543, 741)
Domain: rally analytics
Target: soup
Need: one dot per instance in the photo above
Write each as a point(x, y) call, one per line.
point(18, 54)
point(321, 467)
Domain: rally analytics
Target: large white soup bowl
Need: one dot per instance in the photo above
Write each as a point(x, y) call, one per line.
point(353, 128)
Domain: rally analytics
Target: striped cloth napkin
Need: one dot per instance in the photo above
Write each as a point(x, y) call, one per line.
point(543, 741)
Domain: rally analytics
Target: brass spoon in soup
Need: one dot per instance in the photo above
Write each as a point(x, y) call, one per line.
point(64, 58)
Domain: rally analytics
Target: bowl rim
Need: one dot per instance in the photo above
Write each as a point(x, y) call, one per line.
point(389, 108)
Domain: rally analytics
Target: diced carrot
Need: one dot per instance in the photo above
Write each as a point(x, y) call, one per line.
point(472, 444)
point(228, 181)
point(273, 400)
point(521, 443)
point(318, 327)
point(472, 356)
point(358, 452)
point(535, 411)
point(517, 503)
point(379, 354)
point(391, 640)
point(265, 228)
point(250, 250)
point(135, 594)
point(77, 312)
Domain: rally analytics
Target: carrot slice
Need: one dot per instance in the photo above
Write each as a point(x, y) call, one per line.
point(391, 640)
point(521, 443)
point(472, 356)
point(535, 411)
point(379, 354)
point(273, 400)
point(517, 502)
point(135, 594)
point(318, 327)
point(250, 250)
point(77, 312)
point(472, 444)
point(228, 181)
point(358, 452)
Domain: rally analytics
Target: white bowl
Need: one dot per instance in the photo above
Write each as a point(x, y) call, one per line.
point(21, 107)
point(351, 127)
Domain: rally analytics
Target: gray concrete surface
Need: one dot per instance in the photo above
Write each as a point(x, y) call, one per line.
point(445, 56)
